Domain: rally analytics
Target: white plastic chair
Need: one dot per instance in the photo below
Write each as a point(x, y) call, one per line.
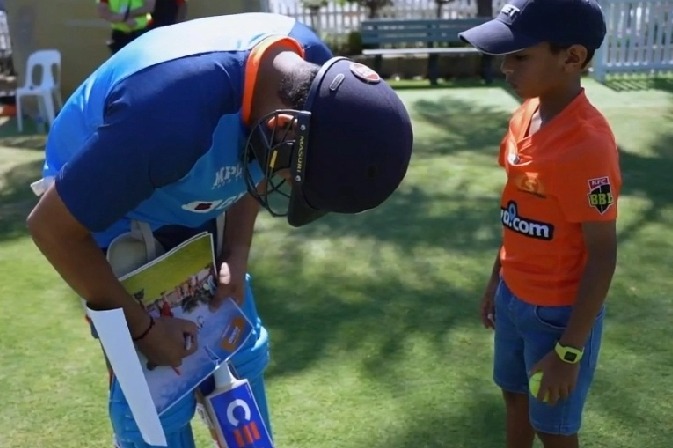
point(47, 89)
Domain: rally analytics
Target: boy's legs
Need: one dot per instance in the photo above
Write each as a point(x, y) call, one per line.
point(509, 371)
point(557, 426)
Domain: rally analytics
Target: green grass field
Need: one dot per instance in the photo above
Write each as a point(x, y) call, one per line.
point(374, 319)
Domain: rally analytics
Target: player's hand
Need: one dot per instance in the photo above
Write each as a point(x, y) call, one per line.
point(165, 344)
point(488, 303)
point(559, 378)
point(231, 280)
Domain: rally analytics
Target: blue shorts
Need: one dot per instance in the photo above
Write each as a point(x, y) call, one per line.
point(524, 334)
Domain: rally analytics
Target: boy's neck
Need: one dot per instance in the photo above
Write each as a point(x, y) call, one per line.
point(552, 103)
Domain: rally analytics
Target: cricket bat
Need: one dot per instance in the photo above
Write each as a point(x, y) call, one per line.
point(231, 413)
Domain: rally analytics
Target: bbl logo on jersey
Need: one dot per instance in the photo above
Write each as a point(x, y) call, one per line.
point(600, 194)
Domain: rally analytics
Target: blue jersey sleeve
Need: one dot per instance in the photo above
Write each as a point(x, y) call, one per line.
point(157, 123)
point(315, 49)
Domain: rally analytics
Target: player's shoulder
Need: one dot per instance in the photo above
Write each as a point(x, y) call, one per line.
point(225, 39)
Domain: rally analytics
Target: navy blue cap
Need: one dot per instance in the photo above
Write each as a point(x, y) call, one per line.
point(525, 23)
point(359, 143)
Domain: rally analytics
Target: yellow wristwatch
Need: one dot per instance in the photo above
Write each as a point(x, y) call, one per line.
point(571, 355)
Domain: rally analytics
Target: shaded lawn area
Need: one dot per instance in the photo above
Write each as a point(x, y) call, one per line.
point(374, 319)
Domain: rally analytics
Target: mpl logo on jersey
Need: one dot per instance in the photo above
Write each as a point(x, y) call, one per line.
point(511, 219)
point(239, 419)
point(209, 206)
point(600, 194)
point(227, 174)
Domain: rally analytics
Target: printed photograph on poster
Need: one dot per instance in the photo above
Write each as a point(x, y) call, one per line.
point(182, 284)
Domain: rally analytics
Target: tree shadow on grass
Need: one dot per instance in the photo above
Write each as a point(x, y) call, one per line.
point(16, 198)
point(29, 140)
point(457, 213)
point(455, 83)
point(477, 422)
point(408, 220)
point(463, 127)
point(310, 308)
point(631, 83)
point(309, 313)
point(649, 176)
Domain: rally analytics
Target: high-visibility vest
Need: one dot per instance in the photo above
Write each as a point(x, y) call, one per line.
point(121, 6)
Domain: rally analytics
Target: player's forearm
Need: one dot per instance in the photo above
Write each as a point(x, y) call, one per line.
point(82, 265)
point(240, 224)
point(593, 289)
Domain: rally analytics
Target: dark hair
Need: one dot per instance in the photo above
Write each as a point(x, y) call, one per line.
point(556, 49)
point(294, 86)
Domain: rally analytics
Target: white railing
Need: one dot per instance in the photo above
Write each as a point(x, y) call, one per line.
point(335, 18)
point(639, 38)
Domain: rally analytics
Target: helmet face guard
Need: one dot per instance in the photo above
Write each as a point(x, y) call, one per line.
point(281, 153)
point(345, 151)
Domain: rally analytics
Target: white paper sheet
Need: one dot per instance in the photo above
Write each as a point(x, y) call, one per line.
point(116, 340)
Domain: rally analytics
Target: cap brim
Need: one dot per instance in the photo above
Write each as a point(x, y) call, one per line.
point(299, 212)
point(497, 38)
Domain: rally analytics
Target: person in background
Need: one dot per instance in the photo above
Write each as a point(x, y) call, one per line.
point(169, 12)
point(128, 18)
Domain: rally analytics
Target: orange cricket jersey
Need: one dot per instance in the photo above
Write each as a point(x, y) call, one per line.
point(565, 174)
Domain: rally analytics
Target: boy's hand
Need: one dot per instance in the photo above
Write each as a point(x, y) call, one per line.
point(559, 378)
point(488, 303)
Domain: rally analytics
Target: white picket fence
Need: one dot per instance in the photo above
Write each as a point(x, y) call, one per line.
point(335, 18)
point(639, 39)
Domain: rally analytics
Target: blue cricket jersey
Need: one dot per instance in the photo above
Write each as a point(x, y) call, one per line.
point(156, 133)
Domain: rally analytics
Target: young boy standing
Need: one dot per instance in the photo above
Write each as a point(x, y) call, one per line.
point(558, 211)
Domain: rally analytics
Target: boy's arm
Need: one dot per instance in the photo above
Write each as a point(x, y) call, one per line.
point(494, 279)
point(600, 238)
point(496, 265)
point(590, 199)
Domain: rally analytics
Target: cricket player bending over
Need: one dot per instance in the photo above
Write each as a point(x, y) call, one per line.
point(197, 119)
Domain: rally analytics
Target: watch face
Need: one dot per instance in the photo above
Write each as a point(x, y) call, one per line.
point(570, 356)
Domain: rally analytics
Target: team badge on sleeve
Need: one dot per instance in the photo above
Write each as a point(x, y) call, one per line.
point(365, 73)
point(600, 194)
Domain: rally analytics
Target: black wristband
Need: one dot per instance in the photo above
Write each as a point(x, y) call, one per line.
point(146, 332)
